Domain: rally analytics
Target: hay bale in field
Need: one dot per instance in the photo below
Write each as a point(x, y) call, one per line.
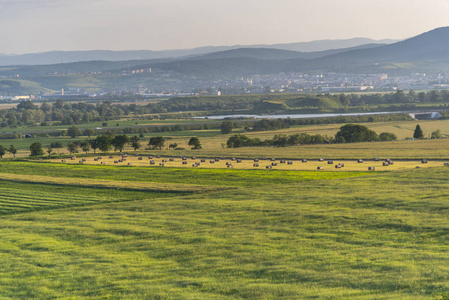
point(110, 156)
point(282, 161)
point(120, 160)
point(63, 160)
point(376, 159)
point(171, 159)
point(385, 163)
point(230, 166)
point(228, 163)
point(184, 163)
point(371, 168)
point(161, 164)
point(158, 156)
point(274, 164)
point(164, 160)
point(256, 160)
point(99, 157)
point(320, 168)
point(217, 159)
point(290, 162)
point(203, 160)
point(222, 157)
point(330, 162)
point(255, 165)
point(446, 164)
point(150, 157)
point(239, 160)
point(320, 159)
point(273, 159)
point(263, 158)
point(193, 157)
point(212, 161)
point(130, 164)
point(360, 161)
point(424, 161)
point(115, 161)
point(103, 163)
point(124, 159)
point(337, 166)
point(152, 162)
point(73, 158)
point(184, 158)
point(140, 158)
point(304, 160)
point(95, 159)
point(268, 167)
point(233, 159)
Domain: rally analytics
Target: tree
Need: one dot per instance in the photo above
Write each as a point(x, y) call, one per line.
point(2, 151)
point(174, 146)
point(195, 142)
point(88, 132)
point(36, 149)
point(418, 134)
point(72, 147)
point(12, 150)
point(85, 146)
point(157, 142)
point(352, 133)
point(49, 150)
point(73, 131)
point(119, 141)
point(104, 142)
point(226, 127)
point(387, 136)
point(436, 134)
point(135, 142)
point(94, 145)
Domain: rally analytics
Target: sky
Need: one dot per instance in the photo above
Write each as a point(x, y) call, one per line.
point(29, 26)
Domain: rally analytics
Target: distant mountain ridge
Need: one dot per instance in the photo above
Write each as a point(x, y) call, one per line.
point(56, 57)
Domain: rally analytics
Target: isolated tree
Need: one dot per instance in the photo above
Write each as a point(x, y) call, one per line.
point(12, 150)
point(72, 147)
point(195, 143)
point(119, 141)
point(387, 136)
point(36, 149)
point(156, 142)
point(49, 150)
point(88, 132)
point(135, 142)
point(173, 146)
point(352, 133)
point(226, 127)
point(85, 146)
point(436, 134)
point(2, 151)
point(73, 131)
point(418, 134)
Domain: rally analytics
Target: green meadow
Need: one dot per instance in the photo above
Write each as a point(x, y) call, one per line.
point(107, 232)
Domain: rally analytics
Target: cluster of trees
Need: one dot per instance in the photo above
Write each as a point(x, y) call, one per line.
point(350, 133)
point(279, 140)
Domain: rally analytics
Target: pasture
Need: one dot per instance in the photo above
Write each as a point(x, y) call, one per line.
point(234, 234)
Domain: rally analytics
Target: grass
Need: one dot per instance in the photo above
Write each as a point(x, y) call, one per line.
point(375, 236)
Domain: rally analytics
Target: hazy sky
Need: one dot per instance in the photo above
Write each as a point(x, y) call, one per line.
point(43, 25)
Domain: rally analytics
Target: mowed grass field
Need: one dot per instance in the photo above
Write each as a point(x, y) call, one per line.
point(272, 163)
point(234, 234)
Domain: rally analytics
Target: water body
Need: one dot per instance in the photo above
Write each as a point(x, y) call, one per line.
point(292, 116)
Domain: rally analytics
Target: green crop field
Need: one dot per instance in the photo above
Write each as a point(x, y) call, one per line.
point(89, 231)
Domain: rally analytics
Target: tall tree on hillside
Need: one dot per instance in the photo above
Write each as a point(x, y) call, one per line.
point(72, 147)
point(104, 142)
point(73, 131)
point(36, 149)
point(418, 134)
point(85, 146)
point(94, 144)
point(195, 143)
point(226, 127)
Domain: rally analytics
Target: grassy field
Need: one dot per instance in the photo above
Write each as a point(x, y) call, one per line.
point(262, 235)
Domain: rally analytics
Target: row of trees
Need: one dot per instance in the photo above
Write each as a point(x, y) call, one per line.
point(350, 133)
